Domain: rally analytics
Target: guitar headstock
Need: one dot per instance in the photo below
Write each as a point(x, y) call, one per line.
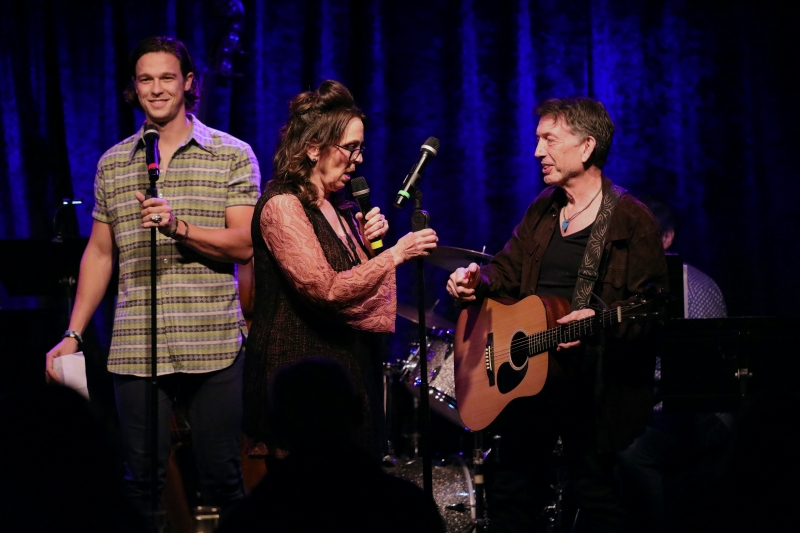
point(650, 304)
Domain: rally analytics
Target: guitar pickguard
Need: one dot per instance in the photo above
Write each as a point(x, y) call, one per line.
point(508, 378)
point(511, 374)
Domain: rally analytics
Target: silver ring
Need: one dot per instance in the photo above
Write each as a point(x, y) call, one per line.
point(155, 218)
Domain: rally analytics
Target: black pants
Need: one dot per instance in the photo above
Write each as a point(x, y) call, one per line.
point(520, 470)
point(214, 404)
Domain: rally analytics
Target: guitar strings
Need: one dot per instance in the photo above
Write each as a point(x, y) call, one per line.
point(553, 336)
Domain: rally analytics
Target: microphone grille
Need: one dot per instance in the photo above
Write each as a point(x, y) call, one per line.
point(151, 131)
point(359, 185)
point(432, 143)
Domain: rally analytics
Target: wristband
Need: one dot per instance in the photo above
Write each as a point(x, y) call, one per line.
point(185, 236)
point(71, 333)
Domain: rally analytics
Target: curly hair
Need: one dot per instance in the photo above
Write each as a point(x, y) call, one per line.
point(584, 117)
point(315, 118)
point(169, 46)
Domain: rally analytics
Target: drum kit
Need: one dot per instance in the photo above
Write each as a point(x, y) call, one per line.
point(439, 346)
point(452, 481)
point(457, 488)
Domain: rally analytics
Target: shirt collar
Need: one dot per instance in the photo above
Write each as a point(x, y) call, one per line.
point(199, 133)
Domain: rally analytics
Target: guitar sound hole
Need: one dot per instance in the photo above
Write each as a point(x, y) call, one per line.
point(519, 350)
point(511, 374)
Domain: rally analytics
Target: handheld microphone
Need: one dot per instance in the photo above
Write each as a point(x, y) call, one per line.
point(427, 152)
point(151, 137)
point(361, 194)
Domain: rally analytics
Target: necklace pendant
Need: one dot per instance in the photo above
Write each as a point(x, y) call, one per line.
point(564, 225)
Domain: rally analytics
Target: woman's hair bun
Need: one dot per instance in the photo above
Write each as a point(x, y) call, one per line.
point(330, 95)
point(333, 94)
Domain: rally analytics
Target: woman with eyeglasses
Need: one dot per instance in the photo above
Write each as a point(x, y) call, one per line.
point(320, 291)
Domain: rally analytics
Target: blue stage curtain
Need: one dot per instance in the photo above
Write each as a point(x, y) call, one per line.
point(700, 92)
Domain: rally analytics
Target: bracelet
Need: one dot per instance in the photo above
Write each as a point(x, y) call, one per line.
point(185, 236)
point(71, 333)
point(174, 230)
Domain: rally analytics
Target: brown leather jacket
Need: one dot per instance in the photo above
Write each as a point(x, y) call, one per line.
point(633, 258)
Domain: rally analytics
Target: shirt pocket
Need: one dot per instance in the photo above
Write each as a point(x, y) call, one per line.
point(615, 277)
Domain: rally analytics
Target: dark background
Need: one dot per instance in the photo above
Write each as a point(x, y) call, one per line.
point(701, 92)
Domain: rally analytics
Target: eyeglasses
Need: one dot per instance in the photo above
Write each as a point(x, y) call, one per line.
point(354, 152)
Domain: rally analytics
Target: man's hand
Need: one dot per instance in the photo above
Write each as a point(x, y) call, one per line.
point(463, 281)
point(160, 207)
point(67, 346)
point(573, 316)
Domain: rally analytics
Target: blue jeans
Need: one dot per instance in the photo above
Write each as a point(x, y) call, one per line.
point(214, 407)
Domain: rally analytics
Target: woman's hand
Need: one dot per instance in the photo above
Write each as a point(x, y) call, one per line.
point(415, 244)
point(375, 226)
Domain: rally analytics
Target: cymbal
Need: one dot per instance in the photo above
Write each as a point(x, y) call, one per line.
point(432, 320)
point(451, 258)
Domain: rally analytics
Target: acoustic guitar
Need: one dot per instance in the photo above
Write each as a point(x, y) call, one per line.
point(501, 348)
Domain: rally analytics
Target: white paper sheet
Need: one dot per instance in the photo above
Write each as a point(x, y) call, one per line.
point(71, 370)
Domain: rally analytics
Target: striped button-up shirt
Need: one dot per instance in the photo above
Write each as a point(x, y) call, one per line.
point(200, 321)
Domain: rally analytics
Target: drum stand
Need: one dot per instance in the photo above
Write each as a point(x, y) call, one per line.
point(481, 520)
point(389, 372)
point(554, 511)
point(474, 485)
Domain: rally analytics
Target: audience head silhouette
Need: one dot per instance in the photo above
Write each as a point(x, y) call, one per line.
point(58, 470)
point(310, 401)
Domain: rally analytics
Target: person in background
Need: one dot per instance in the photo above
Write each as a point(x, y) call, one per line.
point(57, 470)
point(674, 448)
point(705, 299)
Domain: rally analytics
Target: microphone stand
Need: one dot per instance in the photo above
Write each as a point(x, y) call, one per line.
point(478, 454)
point(152, 192)
point(388, 410)
point(419, 221)
point(67, 282)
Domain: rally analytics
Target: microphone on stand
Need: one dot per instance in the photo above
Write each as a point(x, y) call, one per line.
point(151, 137)
point(361, 194)
point(427, 152)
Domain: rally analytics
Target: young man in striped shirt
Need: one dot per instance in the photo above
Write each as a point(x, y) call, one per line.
point(208, 186)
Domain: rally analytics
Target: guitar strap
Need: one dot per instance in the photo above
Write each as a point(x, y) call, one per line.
point(587, 273)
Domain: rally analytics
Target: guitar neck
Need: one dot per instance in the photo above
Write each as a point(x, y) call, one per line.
point(552, 337)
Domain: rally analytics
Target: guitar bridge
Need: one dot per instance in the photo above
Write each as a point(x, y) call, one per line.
point(488, 354)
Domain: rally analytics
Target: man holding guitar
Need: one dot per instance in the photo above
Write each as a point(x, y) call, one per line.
point(533, 370)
